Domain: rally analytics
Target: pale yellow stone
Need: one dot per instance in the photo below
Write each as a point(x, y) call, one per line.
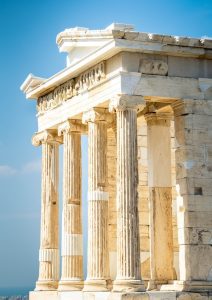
point(192, 296)
point(98, 248)
point(146, 200)
point(72, 256)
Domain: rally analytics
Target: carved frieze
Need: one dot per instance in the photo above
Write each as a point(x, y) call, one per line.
point(153, 67)
point(56, 97)
point(71, 88)
point(90, 78)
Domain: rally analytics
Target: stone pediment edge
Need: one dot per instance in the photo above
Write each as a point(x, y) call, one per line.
point(31, 82)
point(68, 73)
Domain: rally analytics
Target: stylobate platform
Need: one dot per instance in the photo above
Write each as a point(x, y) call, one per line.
point(149, 295)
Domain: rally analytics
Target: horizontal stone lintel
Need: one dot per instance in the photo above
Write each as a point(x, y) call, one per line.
point(122, 83)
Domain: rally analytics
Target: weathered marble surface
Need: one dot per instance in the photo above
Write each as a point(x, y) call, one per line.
point(152, 295)
point(149, 180)
point(72, 239)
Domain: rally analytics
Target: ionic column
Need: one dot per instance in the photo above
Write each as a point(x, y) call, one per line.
point(128, 248)
point(72, 248)
point(49, 242)
point(98, 256)
point(160, 198)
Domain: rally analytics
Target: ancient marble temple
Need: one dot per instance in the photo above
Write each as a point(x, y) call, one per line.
point(145, 103)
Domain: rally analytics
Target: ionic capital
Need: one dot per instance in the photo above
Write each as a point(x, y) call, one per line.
point(97, 115)
point(46, 136)
point(124, 102)
point(71, 126)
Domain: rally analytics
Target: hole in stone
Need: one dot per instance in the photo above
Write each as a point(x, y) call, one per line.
point(185, 114)
point(54, 203)
point(197, 191)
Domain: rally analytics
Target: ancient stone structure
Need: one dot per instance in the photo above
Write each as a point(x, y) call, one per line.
point(145, 103)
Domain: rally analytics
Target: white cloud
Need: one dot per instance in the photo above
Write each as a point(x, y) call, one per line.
point(32, 166)
point(7, 170)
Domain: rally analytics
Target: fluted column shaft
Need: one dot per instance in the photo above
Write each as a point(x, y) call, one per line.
point(98, 255)
point(72, 249)
point(49, 240)
point(128, 248)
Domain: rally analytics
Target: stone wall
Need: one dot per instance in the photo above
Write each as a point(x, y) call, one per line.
point(193, 126)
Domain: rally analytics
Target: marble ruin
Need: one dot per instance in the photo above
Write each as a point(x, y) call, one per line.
point(145, 103)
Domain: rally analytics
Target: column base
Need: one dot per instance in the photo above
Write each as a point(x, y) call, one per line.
point(188, 286)
point(70, 285)
point(46, 285)
point(97, 285)
point(155, 284)
point(127, 285)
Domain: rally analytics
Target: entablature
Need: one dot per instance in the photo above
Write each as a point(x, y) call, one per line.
point(86, 48)
point(155, 88)
point(147, 82)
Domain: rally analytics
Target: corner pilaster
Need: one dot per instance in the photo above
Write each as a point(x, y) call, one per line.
point(160, 198)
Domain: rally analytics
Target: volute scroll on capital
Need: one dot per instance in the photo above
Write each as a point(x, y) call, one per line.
point(46, 136)
point(71, 126)
point(125, 102)
point(97, 115)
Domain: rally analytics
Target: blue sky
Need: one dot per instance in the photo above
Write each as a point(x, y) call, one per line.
point(28, 30)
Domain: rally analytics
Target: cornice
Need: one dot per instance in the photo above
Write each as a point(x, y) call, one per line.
point(127, 32)
point(110, 41)
point(75, 37)
point(31, 82)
